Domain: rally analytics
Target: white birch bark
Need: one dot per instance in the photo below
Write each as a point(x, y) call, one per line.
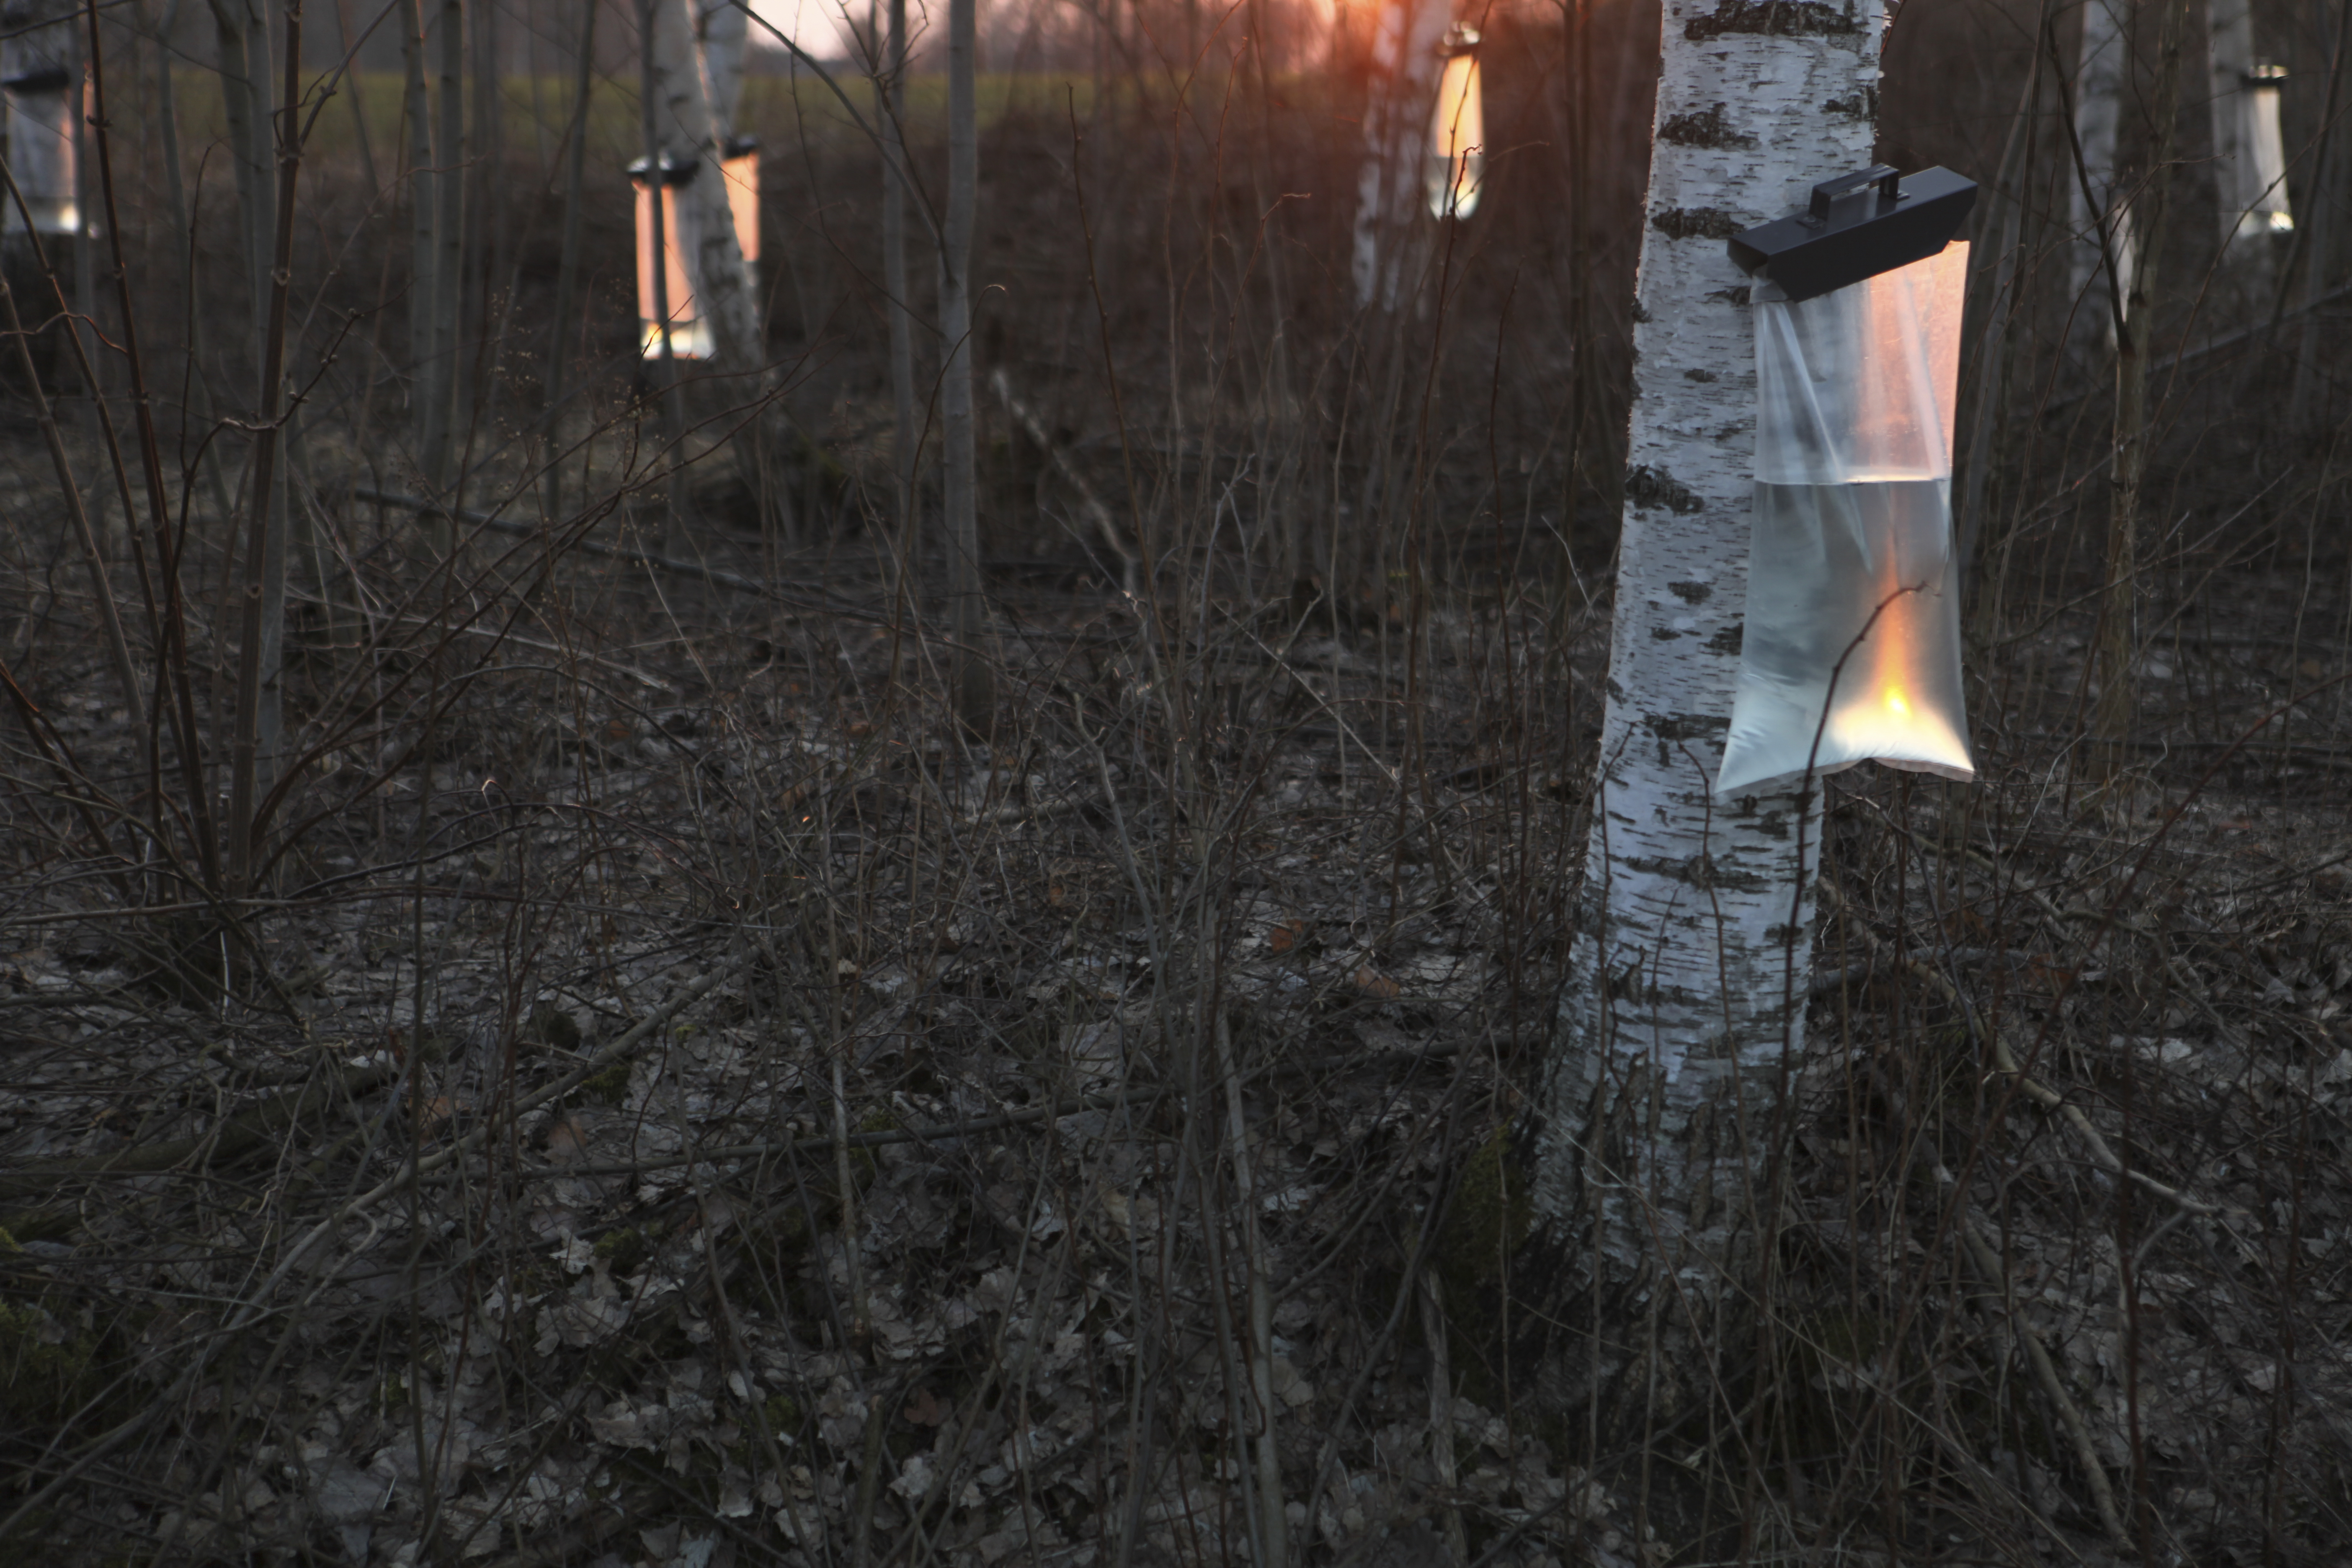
point(890, 95)
point(1656, 1118)
point(2249, 159)
point(2229, 58)
point(724, 28)
point(1389, 187)
point(698, 75)
point(2102, 78)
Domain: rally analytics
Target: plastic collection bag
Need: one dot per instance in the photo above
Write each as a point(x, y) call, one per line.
point(38, 122)
point(1850, 601)
point(1457, 132)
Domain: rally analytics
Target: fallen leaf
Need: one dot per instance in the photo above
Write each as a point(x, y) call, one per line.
point(1286, 936)
point(1372, 983)
point(566, 1138)
point(923, 1409)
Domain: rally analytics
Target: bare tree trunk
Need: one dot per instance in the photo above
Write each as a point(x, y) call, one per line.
point(2248, 162)
point(424, 256)
point(1659, 1117)
point(657, 175)
point(2229, 57)
point(696, 66)
point(975, 689)
point(242, 34)
point(449, 265)
point(567, 273)
point(2119, 597)
point(2101, 220)
point(244, 91)
point(486, 241)
point(175, 199)
point(891, 103)
point(2320, 234)
point(2004, 226)
point(256, 749)
point(1405, 67)
point(696, 77)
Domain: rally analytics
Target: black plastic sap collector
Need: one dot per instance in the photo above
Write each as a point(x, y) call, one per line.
point(1857, 225)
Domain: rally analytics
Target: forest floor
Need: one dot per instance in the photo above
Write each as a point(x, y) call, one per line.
point(686, 1101)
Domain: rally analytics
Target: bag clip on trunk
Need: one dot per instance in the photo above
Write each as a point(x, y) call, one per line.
point(1852, 645)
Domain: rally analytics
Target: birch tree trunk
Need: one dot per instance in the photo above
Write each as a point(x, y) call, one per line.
point(1405, 68)
point(2240, 184)
point(697, 72)
point(2320, 238)
point(449, 151)
point(2101, 220)
point(242, 34)
point(2229, 62)
point(891, 94)
point(567, 274)
point(974, 693)
point(255, 748)
point(2118, 647)
point(1659, 1115)
point(423, 257)
point(243, 66)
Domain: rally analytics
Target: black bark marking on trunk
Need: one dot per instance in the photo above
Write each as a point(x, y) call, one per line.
point(1704, 128)
point(1688, 726)
point(1695, 223)
point(1778, 19)
point(1646, 487)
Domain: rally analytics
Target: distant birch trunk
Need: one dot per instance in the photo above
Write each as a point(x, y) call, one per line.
point(2002, 220)
point(485, 246)
point(243, 66)
point(2245, 182)
point(424, 256)
point(974, 692)
point(1389, 186)
point(673, 415)
point(891, 100)
point(1660, 1114)
point(255, 748)
point(242, 34)
point(2229, 64)
point(567, 271)
point(449, 260)
point(697, 57)
point(2102, 219)
point(2321, 236)
point(2118, 647)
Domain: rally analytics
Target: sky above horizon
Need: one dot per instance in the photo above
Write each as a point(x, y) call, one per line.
point(814, 24)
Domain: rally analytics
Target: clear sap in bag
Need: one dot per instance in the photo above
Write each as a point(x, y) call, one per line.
point(1850, 601)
